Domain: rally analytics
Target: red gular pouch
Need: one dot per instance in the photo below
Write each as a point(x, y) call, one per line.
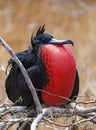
point(60, 67)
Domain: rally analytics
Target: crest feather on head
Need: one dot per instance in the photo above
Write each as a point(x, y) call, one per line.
point(40, 30)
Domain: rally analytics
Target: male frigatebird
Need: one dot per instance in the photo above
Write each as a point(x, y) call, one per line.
point(51, 66)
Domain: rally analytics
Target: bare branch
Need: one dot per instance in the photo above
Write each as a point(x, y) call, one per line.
point(28, 115)
point(80, 122)
point(36, 121)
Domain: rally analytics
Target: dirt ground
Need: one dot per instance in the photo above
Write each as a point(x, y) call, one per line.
point(75, 19)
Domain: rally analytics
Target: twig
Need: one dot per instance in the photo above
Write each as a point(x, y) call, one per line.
point(18, 112)
point(80, 122)
point(6, 124)
point(27, 79)
point(36, 121)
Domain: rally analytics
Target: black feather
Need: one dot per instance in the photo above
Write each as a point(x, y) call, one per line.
point(34, 39)
point(15, 84)
point(40, 30)
point(75, 91)
point(32, 60)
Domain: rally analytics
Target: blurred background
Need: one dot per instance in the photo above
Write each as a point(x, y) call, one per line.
point(75, 19)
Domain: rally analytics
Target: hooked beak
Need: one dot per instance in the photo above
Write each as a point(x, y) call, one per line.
point(61, 42)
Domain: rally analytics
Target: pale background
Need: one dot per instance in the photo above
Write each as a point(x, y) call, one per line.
point(75, 19)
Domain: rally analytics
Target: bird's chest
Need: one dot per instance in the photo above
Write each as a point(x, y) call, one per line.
point(60, 68)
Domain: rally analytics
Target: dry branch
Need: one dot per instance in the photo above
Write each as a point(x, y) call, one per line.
point(19, 114)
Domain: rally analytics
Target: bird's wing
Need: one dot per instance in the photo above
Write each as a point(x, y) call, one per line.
point(76, 88)
point(15, 83)
point(16, 86)
point(26, 57)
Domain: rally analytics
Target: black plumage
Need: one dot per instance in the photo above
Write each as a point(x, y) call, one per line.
point(15, 84)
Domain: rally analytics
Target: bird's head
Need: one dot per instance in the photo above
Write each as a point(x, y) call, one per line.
point(42, 38)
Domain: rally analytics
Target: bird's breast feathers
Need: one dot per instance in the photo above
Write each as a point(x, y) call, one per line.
point(60, 66)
